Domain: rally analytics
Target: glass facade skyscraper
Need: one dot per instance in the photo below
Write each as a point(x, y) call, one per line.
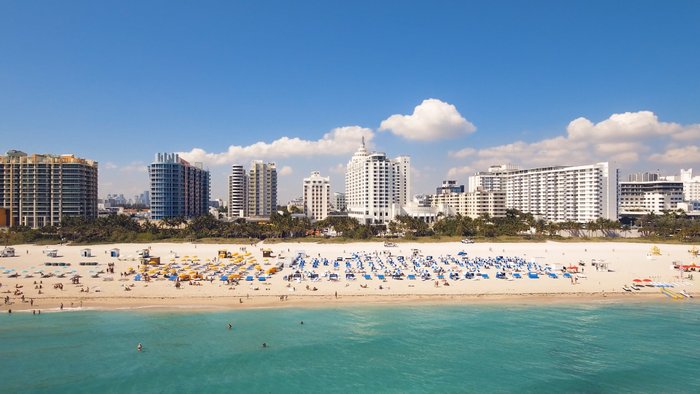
point(178, 188)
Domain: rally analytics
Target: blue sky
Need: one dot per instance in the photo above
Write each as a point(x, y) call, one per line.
point(118, 81)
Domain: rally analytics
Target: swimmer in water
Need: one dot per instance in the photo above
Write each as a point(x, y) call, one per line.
point(230, 326)
point(139, 347)
point(264, 344)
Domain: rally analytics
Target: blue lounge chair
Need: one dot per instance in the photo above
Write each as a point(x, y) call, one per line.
point(485, 276)
point(249, 278)
point(517, 276)
point(368, 276)
point(380, 277)
point(533, 275)
point(411, 277)
point(567, 275)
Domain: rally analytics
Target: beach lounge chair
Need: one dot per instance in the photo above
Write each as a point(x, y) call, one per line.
point(553, 275)
point(249, 278)
point(368, 276)
point(485, 276)
point(411, 277)
point(533, 275)
point(381, 277)
point(517, 276)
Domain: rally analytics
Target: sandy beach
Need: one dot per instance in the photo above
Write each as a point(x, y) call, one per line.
point(606, 269)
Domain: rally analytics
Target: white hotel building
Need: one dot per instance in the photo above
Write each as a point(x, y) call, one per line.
point(317, 196)
point(376, 187)
point(580, 193)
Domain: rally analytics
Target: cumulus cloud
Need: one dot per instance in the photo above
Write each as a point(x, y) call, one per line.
point(341, 141)
point(621, 126)
point(626, 139)
point(286, 170)
point(110, 166)
point(680, 156)
point(431, 120)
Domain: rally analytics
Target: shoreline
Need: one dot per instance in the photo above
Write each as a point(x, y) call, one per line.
point(231, 303)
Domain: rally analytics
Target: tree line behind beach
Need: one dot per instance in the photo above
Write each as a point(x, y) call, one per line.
point(122, 228)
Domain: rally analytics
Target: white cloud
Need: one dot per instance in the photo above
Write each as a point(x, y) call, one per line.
point(621, 126)
point(626, 138)
point(681, 156)
point(462, 153)
point(431, 120)
point(110, 166)
point(286, 170)
point(341, 141)
point(689, 133)
point(338, 169)
point(459, 171)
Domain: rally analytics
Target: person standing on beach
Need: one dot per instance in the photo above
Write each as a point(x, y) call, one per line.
point(61, 306)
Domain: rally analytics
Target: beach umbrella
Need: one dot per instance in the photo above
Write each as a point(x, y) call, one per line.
point(637, 280)
point(647, 280)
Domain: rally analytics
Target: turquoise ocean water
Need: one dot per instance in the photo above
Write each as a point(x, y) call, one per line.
point(616, 348)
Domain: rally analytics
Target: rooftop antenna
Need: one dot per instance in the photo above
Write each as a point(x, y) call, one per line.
point(363, 141)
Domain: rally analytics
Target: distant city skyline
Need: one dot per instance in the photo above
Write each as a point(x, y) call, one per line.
point(456, 86)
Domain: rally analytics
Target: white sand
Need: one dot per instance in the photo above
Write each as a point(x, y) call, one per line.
point(626, 260)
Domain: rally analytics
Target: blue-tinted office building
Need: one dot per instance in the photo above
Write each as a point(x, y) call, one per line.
point(178, 188)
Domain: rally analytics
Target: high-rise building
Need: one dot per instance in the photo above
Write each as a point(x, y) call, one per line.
point(262, 189)
point(339, 203)
point(649, 194)
point(317, 196)
point(491, 179)
point(376, 187)
point(580, 193)
point(691, 188)
point(237, 192)
point(40, 190)
point(178, 188)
